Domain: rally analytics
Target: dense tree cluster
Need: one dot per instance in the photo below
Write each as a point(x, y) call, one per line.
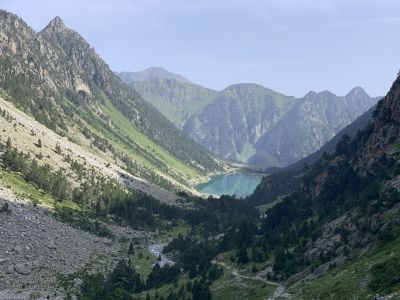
point(123, 283)
point(52, 182)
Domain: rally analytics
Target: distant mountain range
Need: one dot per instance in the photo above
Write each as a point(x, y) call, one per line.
point(248, 122)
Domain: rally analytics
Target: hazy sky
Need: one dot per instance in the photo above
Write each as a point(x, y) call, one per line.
point(292, 46)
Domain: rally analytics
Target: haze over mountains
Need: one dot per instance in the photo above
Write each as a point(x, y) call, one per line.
point(97, 197)
point(248, 122)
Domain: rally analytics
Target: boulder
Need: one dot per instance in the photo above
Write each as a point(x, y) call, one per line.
point(51, 245)
point(22, 269)
point(18, 249)
point(78, 283)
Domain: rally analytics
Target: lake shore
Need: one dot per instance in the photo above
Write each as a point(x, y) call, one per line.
point(237, 183)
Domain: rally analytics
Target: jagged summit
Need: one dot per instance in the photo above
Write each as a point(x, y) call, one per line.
point(357, 92)
point(354, 92)
point(55, 24)
point(7, 14)
point(310, 94)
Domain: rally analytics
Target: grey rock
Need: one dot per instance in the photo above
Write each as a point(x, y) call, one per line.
point(18, 249)
point(10, 270)
point(22, 269)
point(78, 282)
point(51, 245)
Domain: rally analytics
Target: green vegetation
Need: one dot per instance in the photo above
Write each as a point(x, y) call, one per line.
point(81, 221)
point(54, 183)
point(127, 128)
point(362, 278)
point(276, 186)
point(142, 261)
point(265, 207)
point(124, 282)
point(246, 289)
point(177, 100)
point(24, 189)
point(385, 275)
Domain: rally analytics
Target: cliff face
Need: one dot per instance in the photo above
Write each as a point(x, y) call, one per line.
point(309, 124)
point(233, 122)
point(383, 142)
point(250, 123)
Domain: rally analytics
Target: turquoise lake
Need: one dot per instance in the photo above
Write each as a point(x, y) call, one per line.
point(239, 184)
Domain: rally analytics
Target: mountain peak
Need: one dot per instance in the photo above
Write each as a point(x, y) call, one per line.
point(56, 24)
point(310, 94)
point(357, 92)
point(151, 74)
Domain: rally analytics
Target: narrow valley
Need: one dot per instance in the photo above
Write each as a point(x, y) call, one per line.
point(146, 185)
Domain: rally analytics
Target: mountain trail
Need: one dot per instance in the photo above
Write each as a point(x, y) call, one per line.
point(278, 293)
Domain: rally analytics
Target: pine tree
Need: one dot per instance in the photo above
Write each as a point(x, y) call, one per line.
point(39, 143)
point(8, 145)
point(243, 258)
point(58, 148)
point(131, 250)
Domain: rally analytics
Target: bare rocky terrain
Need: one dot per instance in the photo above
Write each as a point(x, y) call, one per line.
point(35, 248)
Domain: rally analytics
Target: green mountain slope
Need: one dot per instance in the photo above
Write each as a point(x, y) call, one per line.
point(177, 100)
point(58, 78)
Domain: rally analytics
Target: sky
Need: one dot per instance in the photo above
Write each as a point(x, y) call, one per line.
point(292, 46)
